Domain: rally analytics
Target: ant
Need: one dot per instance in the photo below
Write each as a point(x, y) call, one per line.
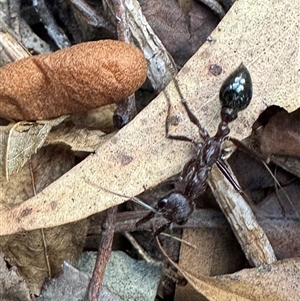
point(176, 207)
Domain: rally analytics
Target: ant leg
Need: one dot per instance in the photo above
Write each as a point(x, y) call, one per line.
point(193, 118)
point(240, 145)
point(202, 131)
point(225, 171)
point(162, 228)
point(145, 219)
point(167, 124)
point(227, 174)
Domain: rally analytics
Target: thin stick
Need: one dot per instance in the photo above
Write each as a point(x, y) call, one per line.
point(178, 239)
point(122, 24)
point(250, 235)
point(14, 11)
point(126, 109)
point(104, 251)
point(54, 31)
point(253, 153)
point(93, 18)
point(139, 249)
point(167, 271)
point(126, 221)
point(277, 184)
point(214, 6)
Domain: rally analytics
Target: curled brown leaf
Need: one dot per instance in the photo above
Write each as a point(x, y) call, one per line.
point(278, 132)
point(76, 79)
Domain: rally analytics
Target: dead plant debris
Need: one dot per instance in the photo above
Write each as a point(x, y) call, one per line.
point(59, 174)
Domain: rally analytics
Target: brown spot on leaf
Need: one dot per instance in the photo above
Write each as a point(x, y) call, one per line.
point(53, 205)
point(26, 212)
point(215, 69)
point(126, 159)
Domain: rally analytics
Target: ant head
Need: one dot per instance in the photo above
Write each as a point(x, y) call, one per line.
point(236, 91)
point(176, 208)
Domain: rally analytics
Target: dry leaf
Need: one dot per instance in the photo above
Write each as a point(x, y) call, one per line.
point(216, 252)
point(78, 138)
point(282, 206)
point(280, 133)
point(39, 254)
point(276, 214)
point(290, 164)
point(12, 286)
point(20, 140)
point(126, 277)
point(101, 118)
point(181, 32)
point(75, 79)
point(139, 156)
point(277, 282)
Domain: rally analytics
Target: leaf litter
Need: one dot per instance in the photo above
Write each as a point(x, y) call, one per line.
point(189, 82)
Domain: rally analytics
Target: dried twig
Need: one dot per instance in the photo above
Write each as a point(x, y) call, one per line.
point(10, 48)
point(14, 11)
point(125, 112)
point(214, 6)
point(4, 11)
point(19, 32)
point(54, 31)
point(104, 251)
point(122, 24)
point(31, 40)
point(93, 18)
point(139, 249)
point(126, 109)
point(161, 67)
point(126, 221)
point(250, 235)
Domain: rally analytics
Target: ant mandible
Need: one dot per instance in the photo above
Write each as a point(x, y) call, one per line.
point(176, 207)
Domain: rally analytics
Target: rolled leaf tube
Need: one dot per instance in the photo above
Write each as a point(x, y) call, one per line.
point(75, 79)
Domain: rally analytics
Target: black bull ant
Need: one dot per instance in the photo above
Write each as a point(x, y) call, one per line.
point(235, 95)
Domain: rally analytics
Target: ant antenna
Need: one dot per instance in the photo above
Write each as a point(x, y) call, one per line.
point(130, 198)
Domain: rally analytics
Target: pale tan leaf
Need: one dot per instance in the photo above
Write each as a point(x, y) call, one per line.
point(101, 118)
point(79, 139)
point(20, 140)
point(277, 282)
point(140, 156)
point(216, 251)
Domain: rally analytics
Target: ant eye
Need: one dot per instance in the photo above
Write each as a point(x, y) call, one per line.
point(236, 91)
point(162, 203)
